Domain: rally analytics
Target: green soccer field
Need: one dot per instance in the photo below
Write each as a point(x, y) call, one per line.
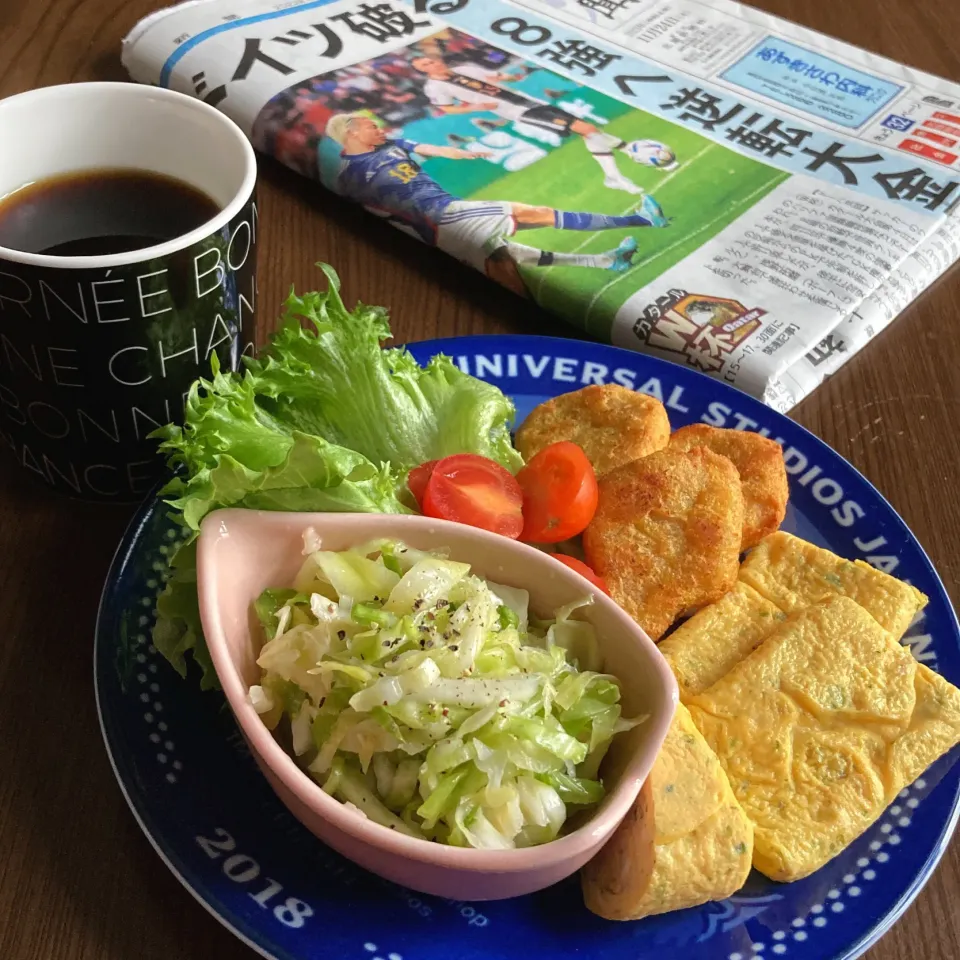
point(711, 188)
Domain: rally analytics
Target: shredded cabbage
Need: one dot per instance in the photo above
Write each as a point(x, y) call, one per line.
point(432, 701)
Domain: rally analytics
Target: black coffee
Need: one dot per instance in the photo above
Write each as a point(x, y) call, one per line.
point(100, 212)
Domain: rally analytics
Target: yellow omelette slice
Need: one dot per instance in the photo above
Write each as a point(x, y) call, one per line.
point(686, 841)
point(714, 640)
point(804, 728)
point(792, 573)
point(934, 729)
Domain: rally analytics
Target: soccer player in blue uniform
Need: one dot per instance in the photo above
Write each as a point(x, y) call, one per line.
point(470, 87)
point(385, 177)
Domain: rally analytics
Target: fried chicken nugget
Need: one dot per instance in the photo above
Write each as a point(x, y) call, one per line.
point(613, 425)
point(666, 534)
point(763, 475)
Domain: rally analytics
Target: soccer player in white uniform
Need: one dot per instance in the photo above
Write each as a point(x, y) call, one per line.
point(384, 176)
point(469, 87)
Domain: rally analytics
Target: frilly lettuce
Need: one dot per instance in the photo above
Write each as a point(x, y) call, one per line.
point(324, 420)
point(178, 630)
point(336, 382)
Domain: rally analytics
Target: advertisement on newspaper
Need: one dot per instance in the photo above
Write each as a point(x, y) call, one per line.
point(693, 180)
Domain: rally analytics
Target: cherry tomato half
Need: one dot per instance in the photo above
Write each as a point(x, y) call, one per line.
point(474, 490)
point(559, 494)
point(417, 479)
point(574, 564)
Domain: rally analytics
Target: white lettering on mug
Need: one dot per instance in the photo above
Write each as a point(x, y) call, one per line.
point(70, 479)
point(10, 351)
point(227, 337)
point(146, 295)
point(113, 435)
point(98, 303)
point(20, 302)
point(28, 460)
point(217, 269)
point(152, 424)
point(35, 411)
point(93, 486)
point(117, 377)
point(80, 314)
point(247, 242)
point(12, 402)
point(249, 304)
point(55, 367)
point(180, 353)
point(142, 481)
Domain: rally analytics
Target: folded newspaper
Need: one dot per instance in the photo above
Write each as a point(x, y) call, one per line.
point(689, 178)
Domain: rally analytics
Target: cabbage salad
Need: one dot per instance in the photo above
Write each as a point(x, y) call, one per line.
point(431, 700)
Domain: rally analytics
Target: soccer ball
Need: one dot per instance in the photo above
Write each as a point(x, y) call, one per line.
point(651, 153)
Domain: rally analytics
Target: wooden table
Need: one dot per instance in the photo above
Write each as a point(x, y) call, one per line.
point(77, 878)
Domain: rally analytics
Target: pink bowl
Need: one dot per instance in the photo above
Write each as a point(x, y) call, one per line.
point(242, 552)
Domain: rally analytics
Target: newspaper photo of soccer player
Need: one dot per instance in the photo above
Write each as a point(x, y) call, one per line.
point(548, 187)
point(384, 175)
point(455, 88)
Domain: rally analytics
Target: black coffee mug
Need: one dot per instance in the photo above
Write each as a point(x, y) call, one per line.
point(97, 352)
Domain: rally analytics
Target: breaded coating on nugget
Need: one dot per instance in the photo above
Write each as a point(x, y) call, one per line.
point(613, 425)
point(666, 534)
point(793, 573)
point(759, 461)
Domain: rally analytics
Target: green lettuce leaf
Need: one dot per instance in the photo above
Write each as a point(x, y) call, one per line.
point(313, 476)
point(336, 382)
point(178, 630)
point(221, 416)
point(325, 421)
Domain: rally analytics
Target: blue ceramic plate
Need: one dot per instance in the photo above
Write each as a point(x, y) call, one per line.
point(212, 818)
